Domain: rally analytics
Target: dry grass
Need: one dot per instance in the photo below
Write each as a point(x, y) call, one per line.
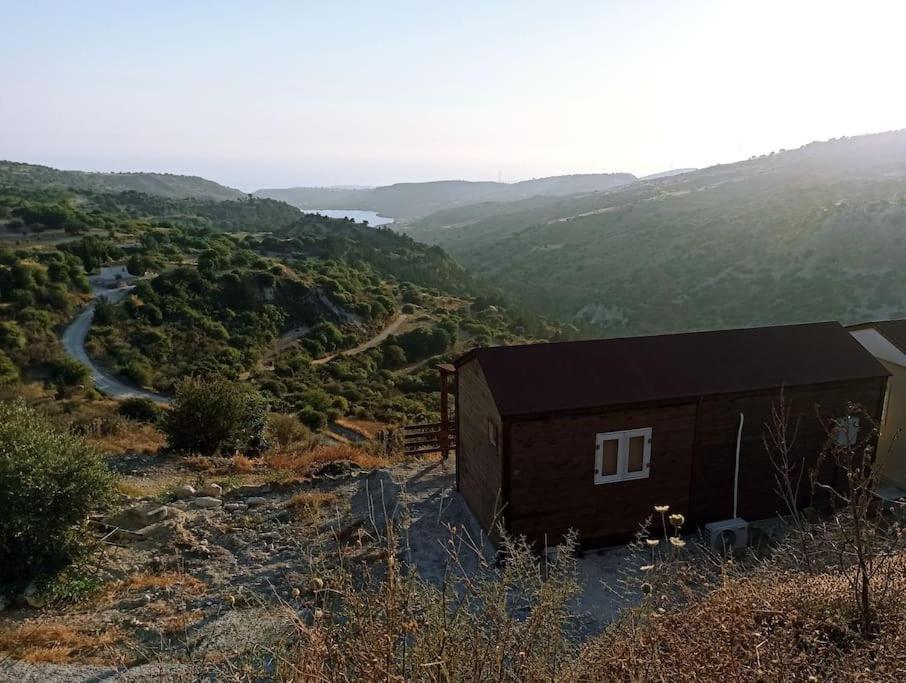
point(308, 504)
point(198, 463)
point(771, 626)
point(240, 464)
point(60, 643)
point(364, 428)
point(305, 462)
point(145, 582)
point(135, 437)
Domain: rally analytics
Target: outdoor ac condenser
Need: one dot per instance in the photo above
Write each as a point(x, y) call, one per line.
point(728, 534)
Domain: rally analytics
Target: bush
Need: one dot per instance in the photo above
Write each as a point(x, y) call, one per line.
point(49, 482)
point(139, 409)
point(286, 430)
point(67, 373)
point(9, 373)
point(211, 415)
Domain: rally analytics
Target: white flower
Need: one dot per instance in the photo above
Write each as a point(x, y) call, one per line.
point(647, 567)
point(652, 541)
point(661, 508)
point(677, 541)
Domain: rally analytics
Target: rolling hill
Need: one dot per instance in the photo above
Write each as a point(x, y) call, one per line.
point(813, 233)
point(410, 200)
point(16, 174)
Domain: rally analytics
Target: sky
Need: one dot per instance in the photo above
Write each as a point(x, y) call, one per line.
point(276, 94)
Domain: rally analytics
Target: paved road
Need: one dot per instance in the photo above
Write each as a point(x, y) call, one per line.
point(74, 342)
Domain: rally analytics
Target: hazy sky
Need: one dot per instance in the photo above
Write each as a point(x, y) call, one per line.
point(263, 93)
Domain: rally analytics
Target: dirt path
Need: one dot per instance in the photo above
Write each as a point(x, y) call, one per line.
point(392, 327)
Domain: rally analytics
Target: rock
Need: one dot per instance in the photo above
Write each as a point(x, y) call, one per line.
point(138, 516)
point(335, 468)
point(184, 491)
point(377, 501)
point(211, 490)
point(235, 507)
point(255, 501)
point(206, 502)
point(249, 490)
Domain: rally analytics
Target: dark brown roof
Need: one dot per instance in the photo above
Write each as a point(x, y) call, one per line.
point(539, 378)
point(893, 330)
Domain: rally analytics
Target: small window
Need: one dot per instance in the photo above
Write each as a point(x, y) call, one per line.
point(492, 432)
point(846, 430)
point(622, 455)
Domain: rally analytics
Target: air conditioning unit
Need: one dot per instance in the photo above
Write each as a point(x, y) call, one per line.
point(727, 535)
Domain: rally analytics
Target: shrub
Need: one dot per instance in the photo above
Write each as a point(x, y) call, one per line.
point(49, 482)
point(286, 430)
point(140, 409)
point(9, 373)
point(211, 415)
point(67, 373)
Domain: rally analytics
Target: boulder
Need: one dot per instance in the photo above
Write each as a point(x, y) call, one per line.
point(184, 491)
point(335, 468)
point(235, 507)
point(211, 490)
point(255, 501)
point(249, 490)
point(206, 502)
point(138, 516)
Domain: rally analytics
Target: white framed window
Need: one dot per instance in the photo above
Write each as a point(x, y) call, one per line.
point(846, 430)
point(621, 456)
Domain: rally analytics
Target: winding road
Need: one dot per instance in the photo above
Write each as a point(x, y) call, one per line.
point(73, 340)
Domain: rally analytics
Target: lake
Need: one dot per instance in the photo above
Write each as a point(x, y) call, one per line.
point(374, 219)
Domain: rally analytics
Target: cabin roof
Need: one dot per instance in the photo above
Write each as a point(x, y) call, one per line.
point(565, 376)
point(892, 330)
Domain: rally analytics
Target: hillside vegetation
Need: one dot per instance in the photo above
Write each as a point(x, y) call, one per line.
point(408, 200)
point(162, 184)
point(813, 233)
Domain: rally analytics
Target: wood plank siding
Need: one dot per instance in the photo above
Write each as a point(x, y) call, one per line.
point(550, 488)
point(478, 462)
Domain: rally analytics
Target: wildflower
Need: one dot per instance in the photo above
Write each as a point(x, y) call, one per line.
point(319, 614)
point(677, 520)
point(647, 567)
point(652, 541)
point(317, 583)
point(646, 588)
point(677, 541)
point(295, 592)
point(661, 508)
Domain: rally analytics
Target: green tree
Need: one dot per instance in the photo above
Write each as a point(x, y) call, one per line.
point(208, 416)
point(9, 373)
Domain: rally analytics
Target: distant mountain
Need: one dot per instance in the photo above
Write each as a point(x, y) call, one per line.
point(814, 233)
point(668, 174)
point(410, 200)
point(32, 176)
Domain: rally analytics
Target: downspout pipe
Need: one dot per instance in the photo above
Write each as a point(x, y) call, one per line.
point(742, 420)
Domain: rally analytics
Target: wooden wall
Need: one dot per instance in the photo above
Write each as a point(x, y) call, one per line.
point(715, 447)
point(478, 463)
point(551, 460)
point(552, 485)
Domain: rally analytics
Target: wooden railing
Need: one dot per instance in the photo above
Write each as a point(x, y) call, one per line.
point(429, 437)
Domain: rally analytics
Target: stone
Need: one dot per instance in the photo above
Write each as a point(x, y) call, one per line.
point(235, 507)
point(255, 501)
point(249, 490)
point(184, 491)
point(211, 490)
point(207, 502)
point(138, 516)
point(335, 468)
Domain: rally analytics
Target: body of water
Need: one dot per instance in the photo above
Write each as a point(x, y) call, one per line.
point(374, 219)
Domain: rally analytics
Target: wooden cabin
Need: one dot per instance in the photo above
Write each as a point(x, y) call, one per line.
point(591, 435)
point(886, 340)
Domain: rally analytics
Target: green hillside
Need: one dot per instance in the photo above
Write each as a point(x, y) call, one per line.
point(15, 174)
point(410, 200)
point(813, 233)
